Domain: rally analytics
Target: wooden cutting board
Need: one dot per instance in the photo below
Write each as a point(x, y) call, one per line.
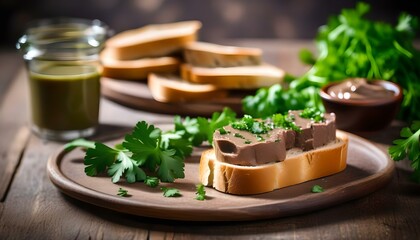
point(368, 169)
point(136, 94)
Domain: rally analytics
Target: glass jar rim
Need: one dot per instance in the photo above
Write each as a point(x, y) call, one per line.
point(50, 37)
point(88, 27)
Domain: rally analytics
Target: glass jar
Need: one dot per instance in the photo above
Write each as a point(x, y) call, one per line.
point(63, 68)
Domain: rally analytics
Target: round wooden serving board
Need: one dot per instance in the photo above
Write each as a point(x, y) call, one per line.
point(136, 94)
point(368, 169)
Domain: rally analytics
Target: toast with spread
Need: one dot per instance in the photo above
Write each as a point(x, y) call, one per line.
point(255, 156)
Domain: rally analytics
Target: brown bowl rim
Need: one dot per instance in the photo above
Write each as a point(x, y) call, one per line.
point(398, 95)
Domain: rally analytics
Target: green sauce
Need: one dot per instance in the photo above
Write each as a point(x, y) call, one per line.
point(65, 97)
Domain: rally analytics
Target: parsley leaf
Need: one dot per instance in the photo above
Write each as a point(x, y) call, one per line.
point(198, 130)
point(200, 193)
point(171, 166)
point(175, 140)
point(151, 181)
point(170, 192)
point(317, 189)
point(122, 192)
point(408, 146)
point(145, 144)
point(219, 120)
point(125, 164)
point(191, 129)
point(99, 158)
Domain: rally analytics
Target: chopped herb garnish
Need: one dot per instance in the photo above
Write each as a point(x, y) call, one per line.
point(238, 135)
point(314, 114)
point(151, 181)
point(122, 192)
point(247, 123)
point(317, 189)
point(282, 121)
point(200, 193)
point(259, 138)
point(244, 124)
point(248, 142)
point(170, 192)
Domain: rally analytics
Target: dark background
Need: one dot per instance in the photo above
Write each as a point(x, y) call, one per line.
point(222, 19)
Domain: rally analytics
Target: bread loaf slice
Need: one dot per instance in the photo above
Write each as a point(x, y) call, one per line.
point(244, 77)
point(171, 88)
point(154, 40)
point(298, 167)
point(137, 69)
point(211, 55)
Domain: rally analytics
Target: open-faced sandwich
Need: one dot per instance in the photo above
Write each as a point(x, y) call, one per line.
point(254, 156)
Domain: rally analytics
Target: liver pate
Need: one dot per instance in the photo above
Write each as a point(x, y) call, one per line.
point(244, 148)
point(241, 147)
point(313, 134)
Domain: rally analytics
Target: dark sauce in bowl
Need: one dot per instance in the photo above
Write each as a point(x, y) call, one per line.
point(362, 105)
point(360, 89)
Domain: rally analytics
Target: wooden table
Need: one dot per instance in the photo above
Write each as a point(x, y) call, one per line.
point(32, 208)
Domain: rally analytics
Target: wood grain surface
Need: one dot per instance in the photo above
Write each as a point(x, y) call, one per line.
point(33, 208)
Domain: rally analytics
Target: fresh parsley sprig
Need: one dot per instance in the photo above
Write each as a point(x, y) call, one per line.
point(146, 148)
point(149, 150)
point(408, 146)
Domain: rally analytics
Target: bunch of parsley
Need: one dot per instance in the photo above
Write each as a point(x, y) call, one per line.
point(149, 154)
point(350, 46)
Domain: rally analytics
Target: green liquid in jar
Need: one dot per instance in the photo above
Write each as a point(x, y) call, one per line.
point(65, 97)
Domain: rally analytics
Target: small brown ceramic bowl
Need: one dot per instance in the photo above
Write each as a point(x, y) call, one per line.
point(363, 115)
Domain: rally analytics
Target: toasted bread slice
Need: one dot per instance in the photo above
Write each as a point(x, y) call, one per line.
point(137, 69)
point(152, 40)
point(245, 77)
point(171, 88)
point(211, 55)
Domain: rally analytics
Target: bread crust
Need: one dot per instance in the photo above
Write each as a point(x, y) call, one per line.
point(170, 88)
point(243, 77)
point(298, 167)
point(152, 40)
point(211, 55)
point(137, 69)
